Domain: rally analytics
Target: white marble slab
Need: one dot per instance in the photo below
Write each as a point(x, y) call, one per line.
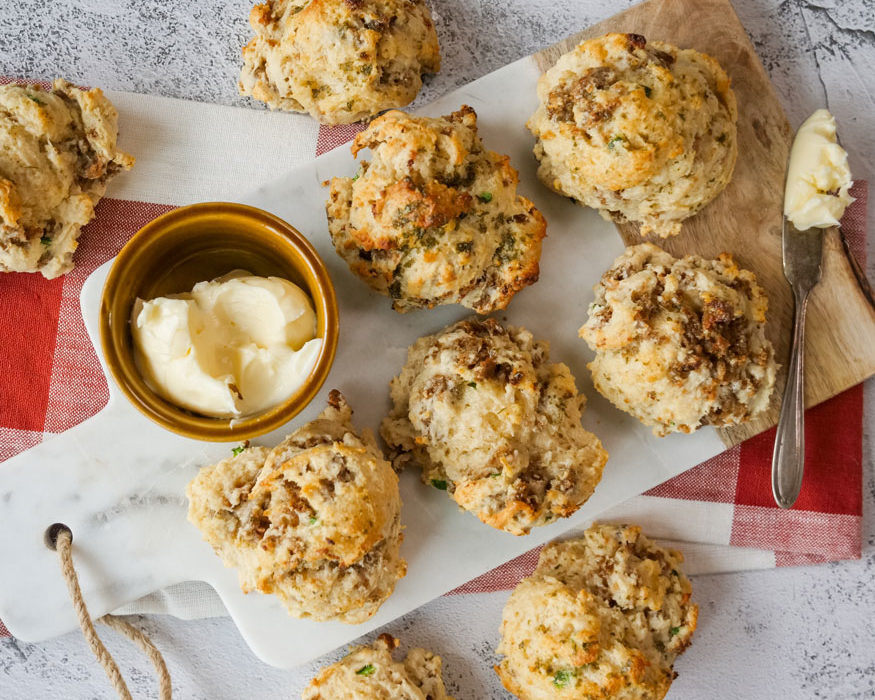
point(118, 480)
point(803, 633)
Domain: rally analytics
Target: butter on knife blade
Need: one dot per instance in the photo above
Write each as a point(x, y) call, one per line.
point(815, 197)
point(818, 176)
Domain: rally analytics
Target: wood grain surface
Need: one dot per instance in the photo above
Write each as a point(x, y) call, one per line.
point(745, 219)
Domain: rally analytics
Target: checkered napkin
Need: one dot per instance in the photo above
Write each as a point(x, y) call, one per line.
point(720, 513)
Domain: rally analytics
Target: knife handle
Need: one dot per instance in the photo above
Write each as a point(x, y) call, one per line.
point(788, 459)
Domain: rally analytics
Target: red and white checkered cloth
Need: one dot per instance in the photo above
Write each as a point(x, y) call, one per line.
point(51, 379)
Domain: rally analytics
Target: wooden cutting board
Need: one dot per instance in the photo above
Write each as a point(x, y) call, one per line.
point(745, 219)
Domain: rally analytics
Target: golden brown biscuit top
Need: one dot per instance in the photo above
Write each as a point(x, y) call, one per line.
point(624, 99)
point(315, 520)
point(434, 217)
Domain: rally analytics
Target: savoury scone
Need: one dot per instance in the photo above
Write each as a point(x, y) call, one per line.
point(315, 521)
point(339, 60)
point(57, 152)
point(488, 418)
point(680, 343)
point(642, 131)
point(370, 672)
point(435, 218)
point(604, 616)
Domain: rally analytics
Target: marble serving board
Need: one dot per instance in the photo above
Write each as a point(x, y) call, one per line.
point(118, 481)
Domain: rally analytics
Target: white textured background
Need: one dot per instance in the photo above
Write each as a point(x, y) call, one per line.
point(791, 633)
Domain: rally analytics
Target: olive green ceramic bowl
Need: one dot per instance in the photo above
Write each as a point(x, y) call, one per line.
point(200, 242)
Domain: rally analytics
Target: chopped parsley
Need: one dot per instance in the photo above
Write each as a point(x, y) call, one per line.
point(619, 138)
point(46, 240)
point(313, 520)
point(35, 99)
point(439, 484)
point(473, 385)
point(366, 670)
point(237, 450)
point(673, 631)
point(647, 91)
point(485, 197)
point(367, 68)
point(506, 250)
point(562, 678)
point(465, 246)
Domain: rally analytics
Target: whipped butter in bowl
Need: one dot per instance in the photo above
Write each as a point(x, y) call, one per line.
point(231, 347)
point(219, 322)
point(818, 177)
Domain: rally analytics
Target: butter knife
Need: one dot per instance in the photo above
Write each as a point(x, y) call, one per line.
point(803, 257)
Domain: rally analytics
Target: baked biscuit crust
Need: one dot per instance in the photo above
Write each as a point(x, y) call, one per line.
point(435, 218)
point(340, 60)
point(371, 672)
point(315, 521)
point(57, 152)
point(487, 417)
point(642, 131)
point(680, 343)
point(602, 616)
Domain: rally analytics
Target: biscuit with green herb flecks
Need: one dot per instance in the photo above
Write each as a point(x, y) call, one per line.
point(435, 218)
point(370, 672)
point(602, 616)
point(340, 60)
point(642, 131)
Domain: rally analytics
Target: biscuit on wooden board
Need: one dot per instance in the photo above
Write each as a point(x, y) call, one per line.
point(680, 343)
point(642, 131)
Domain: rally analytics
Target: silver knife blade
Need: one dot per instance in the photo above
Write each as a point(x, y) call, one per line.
point(803, 256)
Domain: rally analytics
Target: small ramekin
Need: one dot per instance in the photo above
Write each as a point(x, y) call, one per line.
point(201, 242)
